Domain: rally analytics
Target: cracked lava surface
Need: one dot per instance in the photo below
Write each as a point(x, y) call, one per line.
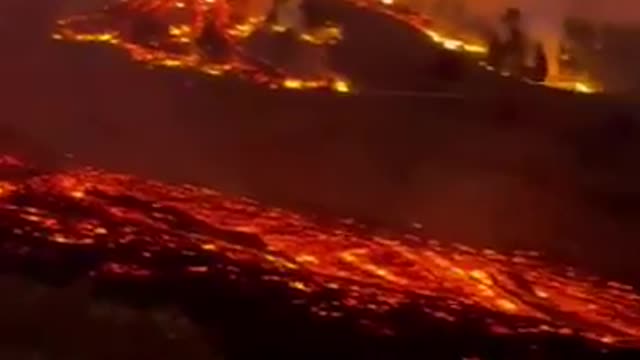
point(124, 227)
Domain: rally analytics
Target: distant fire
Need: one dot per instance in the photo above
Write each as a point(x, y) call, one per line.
point(136, 228)
point(201, 35)
point(475, 48)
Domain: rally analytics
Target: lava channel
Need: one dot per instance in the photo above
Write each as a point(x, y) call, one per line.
point(123, 228)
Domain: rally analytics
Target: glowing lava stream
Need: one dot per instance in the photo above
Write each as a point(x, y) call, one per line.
point(197, 35)
point(135, 223)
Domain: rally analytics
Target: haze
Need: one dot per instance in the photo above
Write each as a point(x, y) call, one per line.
point(616, 11)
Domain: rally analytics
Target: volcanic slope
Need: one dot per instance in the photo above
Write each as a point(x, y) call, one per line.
point(371, 32)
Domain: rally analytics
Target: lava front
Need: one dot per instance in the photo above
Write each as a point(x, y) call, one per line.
point(132, 223)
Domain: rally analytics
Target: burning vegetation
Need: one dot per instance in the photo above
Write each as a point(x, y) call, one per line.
point(124, 229)
point(209, 36)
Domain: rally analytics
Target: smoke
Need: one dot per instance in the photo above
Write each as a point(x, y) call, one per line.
point(544, 17)
point(289, 14)
point(543, 20)
point(549, 11)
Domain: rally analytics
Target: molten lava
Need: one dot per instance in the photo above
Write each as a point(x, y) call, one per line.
point(210, 37)
point(124, 227)
point(201, 35)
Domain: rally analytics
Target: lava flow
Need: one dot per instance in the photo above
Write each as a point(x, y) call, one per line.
point(123, 227)
point(202, 35)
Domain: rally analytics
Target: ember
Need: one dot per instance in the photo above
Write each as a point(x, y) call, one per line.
point(128, 227)
point(200, 35)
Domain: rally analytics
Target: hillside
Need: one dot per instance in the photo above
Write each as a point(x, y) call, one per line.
point(475, 159)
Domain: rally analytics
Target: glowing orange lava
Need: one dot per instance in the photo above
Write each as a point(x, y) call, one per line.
point(136, 224)
point(198, 35)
